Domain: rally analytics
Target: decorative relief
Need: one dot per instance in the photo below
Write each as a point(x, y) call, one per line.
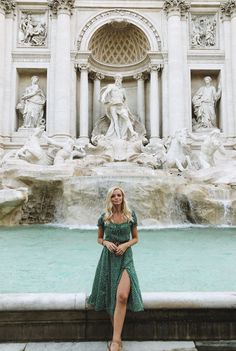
point(228, 8)
point(141, 76)
point(176, 5)
point(58, 5)
point(120, 13)
point(96, 75)
point(203, 32)
point(119, 43)
point(7, 6)
point(32, 29)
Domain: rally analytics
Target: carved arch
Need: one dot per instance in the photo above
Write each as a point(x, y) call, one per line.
point(119, 15)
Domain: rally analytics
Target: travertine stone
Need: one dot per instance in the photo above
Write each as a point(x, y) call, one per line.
point(13, 347)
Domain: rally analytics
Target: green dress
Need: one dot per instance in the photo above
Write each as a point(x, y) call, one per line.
point(110, 268)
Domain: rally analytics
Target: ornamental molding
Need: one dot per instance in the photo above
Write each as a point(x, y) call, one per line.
point(93, 75)
point(60, 5)
point(141, 76)
point(109, 15)
point(7, 6)
point(180, 6)
point(227, 8)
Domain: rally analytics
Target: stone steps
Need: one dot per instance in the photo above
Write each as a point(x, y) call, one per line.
point(222, 345)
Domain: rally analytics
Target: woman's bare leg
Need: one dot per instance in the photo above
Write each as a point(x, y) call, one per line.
point(122, 295)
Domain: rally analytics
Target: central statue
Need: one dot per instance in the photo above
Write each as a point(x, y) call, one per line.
point(113, 96)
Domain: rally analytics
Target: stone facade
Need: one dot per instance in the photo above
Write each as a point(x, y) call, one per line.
point(75, 48)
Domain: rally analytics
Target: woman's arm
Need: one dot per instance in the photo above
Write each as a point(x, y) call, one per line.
point(123, 247)
point(110, 246)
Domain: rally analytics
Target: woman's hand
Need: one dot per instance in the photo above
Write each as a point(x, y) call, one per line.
point(110, 246)
point(121, 249)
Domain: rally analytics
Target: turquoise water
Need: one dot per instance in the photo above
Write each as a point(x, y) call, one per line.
point(40, 259)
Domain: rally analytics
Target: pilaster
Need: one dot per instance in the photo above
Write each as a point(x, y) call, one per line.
point(62, 116)
point(176, 74)
point(6, 7)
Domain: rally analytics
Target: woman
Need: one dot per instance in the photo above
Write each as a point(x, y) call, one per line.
point(115, 286)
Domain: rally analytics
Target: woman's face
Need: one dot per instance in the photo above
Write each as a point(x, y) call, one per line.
point(116, 197)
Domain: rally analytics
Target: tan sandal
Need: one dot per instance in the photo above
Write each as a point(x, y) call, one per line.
point(119, 343)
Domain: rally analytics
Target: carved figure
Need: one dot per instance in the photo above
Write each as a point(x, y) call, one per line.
point(121, 119)
point(203, 31)
point(31, 152)
point(152, 155)
point(67, 150)
point(178, 154)
point(32, 33)
point(204, 102)
point(32, 105)
point(211, 143)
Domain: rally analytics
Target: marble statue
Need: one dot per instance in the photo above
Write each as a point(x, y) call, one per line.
point(33, 34)
point(178, 153)
point(67, 150)
point(32, 104)
point(204, 102)
point(113, 96)
point(151, 155)
point(211, 143)
point(31, 152)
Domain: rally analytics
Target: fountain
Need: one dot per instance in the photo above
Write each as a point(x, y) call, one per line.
point(142, 98)
point(167, 183)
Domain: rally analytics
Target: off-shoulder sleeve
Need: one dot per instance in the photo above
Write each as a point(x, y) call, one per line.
point(101, 221)
point(134, 217)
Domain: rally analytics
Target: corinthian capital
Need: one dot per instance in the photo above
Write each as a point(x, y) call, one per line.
point(227, 8)
point(61, 5)
point(180, 6)
point(7, 6)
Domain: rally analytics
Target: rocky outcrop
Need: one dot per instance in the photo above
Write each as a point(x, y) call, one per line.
point(44, 194)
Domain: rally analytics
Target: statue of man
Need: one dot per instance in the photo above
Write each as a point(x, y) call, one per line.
point(204, 102)
point(210, 144)
point(114, 98)
point(32, 105)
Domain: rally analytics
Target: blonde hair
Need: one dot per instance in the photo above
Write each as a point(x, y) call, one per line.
point(124, 206)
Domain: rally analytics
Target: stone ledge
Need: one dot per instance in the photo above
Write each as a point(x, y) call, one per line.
point(155, 300)
point(101, 346)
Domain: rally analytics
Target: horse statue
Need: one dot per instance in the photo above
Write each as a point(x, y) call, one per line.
point(178, 152)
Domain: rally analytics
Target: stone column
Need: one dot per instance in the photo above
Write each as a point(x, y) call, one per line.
point(9, 109)
point(227, 123)
point(154, 103)
point(233, 58)
point(6, 6)
point(83, 116)
point(176, 75)
point(96, 77)
point(62, 8)
point(140, 96)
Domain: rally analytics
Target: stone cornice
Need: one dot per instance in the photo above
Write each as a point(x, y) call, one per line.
point(227, 8)
point(61, 5)
point(7, 6)
point(176, 6)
